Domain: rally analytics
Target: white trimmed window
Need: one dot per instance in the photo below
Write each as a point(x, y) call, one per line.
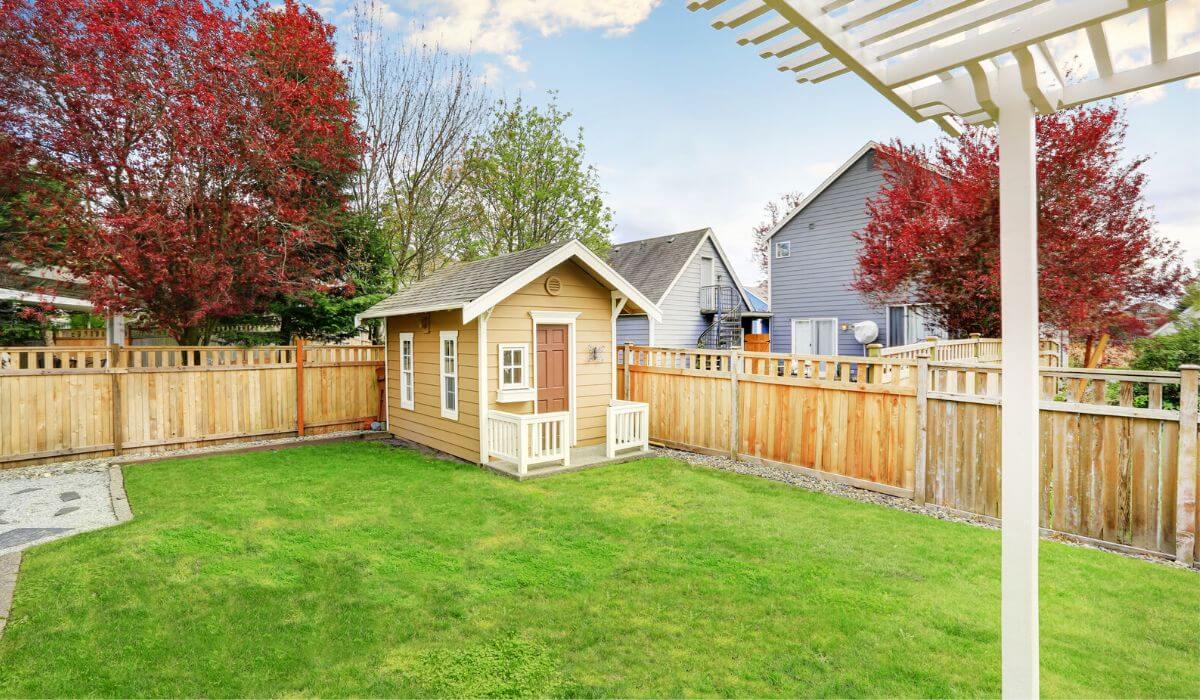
point(449, 372)
point(514, 366)
point(814, 336)
point(783, 249)
point(406, 370)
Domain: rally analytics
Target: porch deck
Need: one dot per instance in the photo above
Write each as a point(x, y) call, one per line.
point(581, 458)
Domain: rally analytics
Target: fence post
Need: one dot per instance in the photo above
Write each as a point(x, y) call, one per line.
point(1185, 509)
point(873, 350)
point(734, 432)
point(919, 463)
point(625, 367)
point(114, 361)
point(299, 343)
point(933, 352)
point(974, 343)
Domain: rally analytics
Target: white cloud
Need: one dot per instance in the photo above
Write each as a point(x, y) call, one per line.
point(517, 63)
point(1192, 83)
point(491, 74)
point(497, 26)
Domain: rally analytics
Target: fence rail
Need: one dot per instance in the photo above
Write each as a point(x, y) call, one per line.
point(971, 349)
point(58, 403)
point(1118, 456)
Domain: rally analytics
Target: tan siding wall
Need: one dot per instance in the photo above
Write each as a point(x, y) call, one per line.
point(425, 424)
point(511, 323)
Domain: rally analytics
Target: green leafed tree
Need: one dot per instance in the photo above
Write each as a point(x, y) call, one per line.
point(529, 184)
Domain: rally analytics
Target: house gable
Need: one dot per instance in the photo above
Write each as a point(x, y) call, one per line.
point(815, 280)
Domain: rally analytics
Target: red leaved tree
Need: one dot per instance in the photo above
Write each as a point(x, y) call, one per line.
point(209, 147)
point(933, 236)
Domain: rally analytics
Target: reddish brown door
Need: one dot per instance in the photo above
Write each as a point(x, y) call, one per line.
point(551, 369)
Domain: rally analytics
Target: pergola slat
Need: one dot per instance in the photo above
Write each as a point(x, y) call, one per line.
point(898, 45)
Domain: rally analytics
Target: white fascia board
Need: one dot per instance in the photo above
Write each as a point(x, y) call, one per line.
point(869, 145)
point(384, 313)
point(33, 298)
point(573, 249)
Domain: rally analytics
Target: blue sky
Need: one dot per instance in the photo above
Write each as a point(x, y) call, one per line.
point(689, 130)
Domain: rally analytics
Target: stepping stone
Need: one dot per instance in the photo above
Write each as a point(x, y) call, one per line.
point(25, 535)
point(64, 511)
point(29, 490)
point(69, 496)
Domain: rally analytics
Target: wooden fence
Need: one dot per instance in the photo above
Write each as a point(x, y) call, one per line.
point(74, 403)
point(1118, 467)
point(971, 349)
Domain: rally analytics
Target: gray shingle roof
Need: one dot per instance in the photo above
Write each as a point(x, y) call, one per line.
point(652, 264)
point(460, 283)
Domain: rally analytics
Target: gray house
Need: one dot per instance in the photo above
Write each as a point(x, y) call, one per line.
point(690, 278)
point(813, 255)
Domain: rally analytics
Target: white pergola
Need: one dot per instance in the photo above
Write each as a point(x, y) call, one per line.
point(990, 62)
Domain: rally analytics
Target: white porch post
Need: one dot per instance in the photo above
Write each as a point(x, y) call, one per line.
point(481, 361)
point(1019, 420)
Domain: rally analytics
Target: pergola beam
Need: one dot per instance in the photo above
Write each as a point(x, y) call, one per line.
point(1098, 41)
point(1175, 69)
point(956, 24)
point(808, 18)
point(1011, 34)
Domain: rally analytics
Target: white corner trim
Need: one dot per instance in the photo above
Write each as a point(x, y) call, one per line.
point(869, 145)
point(618, 304)
point(573, 249)
point(481, 361)
point(443, 336)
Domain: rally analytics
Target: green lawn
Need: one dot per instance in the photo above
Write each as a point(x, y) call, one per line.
point(360, 569)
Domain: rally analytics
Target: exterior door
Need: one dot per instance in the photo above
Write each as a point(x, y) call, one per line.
point(552, 380)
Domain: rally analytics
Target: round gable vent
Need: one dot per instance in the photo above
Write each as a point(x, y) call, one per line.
point(553, 286)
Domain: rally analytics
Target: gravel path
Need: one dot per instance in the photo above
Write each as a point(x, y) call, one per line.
point(808, 483)
point(43, 503)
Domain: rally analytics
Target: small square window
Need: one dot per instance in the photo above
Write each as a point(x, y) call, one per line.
point(513, 374)
point(783, 249)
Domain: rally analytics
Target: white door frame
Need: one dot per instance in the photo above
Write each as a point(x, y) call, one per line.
point(558, 318)
point(813, 320)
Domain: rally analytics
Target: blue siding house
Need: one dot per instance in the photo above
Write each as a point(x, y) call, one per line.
point(694, 285)
point(812, 259)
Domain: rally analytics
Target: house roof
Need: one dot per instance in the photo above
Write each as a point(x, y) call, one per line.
point(654, 265)
point(868, 146)
point(757, 302)
point(477, 285)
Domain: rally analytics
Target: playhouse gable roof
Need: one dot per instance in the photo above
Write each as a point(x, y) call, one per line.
point(477, 285)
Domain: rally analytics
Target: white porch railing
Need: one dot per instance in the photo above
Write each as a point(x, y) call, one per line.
point(628, 426)
point(530, 439)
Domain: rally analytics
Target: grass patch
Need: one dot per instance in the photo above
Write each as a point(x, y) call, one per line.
point(359, 569)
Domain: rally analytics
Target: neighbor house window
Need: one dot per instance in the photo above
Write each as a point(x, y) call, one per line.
point(783, 249)
point(911, 323)
point(406, 370)
point(449, 371)
point(513, 366)
point(814, 336)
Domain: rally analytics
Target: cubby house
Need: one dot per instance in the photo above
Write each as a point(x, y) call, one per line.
point(545, 320)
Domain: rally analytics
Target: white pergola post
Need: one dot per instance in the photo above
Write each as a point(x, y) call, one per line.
point(963, 62)
point(1019, 429)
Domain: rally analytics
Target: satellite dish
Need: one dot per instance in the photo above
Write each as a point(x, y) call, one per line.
point(866, 332)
